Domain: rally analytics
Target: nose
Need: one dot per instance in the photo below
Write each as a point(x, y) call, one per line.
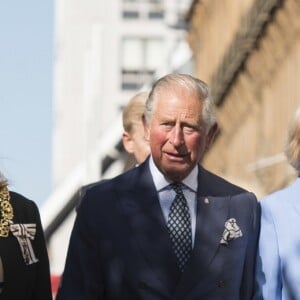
point(176, 137)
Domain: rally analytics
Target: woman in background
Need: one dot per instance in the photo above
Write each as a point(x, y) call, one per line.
point(278, 261)
point(133, 136)
point(24, 264)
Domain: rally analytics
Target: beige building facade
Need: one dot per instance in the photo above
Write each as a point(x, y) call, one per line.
point(249, 53)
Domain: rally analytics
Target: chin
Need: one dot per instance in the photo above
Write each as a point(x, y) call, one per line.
point(176, 174)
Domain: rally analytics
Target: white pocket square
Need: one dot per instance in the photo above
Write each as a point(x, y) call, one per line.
point(231, 232)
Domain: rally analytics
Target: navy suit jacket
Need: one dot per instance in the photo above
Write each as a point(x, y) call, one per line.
point(120, 247)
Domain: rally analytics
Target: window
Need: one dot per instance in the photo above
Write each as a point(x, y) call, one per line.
point(144, 9)
point(141, 57)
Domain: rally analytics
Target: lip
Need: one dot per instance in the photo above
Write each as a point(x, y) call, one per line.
point(176, 156)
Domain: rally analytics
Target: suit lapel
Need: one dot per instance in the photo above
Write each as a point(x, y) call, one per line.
point(143, 212)
point(212, 212)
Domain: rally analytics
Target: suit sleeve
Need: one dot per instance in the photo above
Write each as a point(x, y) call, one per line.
point(247, 284)
point(268, 283)
point(81, 278)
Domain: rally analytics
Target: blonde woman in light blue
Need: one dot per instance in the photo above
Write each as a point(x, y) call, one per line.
point(278, 263)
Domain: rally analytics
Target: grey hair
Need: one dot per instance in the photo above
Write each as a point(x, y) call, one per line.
point(292, 146)
point(190, 83)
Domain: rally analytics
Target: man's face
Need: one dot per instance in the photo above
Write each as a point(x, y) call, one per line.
point(176, 133)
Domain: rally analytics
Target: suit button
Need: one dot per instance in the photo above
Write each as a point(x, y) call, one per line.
point(221, 284)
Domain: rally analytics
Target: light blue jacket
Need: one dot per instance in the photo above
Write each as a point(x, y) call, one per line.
point(278, 261)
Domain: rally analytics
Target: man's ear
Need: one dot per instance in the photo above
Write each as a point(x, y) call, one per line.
point(211, 134)
point(127, 142)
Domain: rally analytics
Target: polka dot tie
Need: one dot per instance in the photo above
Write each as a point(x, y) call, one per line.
point(179, 224)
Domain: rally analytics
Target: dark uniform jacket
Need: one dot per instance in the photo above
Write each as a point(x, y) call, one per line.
point(24, 280)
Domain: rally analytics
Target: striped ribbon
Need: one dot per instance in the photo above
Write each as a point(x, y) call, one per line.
point(25, 233)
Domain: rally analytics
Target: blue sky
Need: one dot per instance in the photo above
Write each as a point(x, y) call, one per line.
point(26, 61)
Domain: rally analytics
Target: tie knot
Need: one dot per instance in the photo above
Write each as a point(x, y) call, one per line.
point(177, 187)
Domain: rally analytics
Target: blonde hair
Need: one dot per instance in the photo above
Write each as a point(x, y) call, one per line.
point(292, 147)
point(134, 111)
point(3, 182)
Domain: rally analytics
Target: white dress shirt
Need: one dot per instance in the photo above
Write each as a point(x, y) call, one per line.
point(166, 194)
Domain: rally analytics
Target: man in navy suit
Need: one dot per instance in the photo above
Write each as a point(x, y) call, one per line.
point(167, 229)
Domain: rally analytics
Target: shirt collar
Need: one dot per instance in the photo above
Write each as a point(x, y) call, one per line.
point(161, 182)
